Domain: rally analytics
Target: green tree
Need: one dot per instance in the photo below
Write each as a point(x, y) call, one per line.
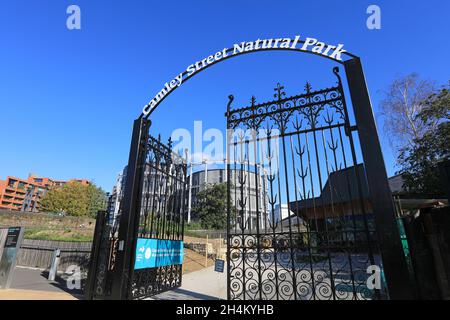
point(75, 199)
point(419, 161)
point(211, 206)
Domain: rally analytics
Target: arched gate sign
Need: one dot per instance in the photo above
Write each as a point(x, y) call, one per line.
point(313, 225)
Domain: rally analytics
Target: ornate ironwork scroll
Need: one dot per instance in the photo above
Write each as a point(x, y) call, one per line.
point(309, 233)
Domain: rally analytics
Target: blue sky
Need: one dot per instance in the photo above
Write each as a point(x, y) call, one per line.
point(68, 98)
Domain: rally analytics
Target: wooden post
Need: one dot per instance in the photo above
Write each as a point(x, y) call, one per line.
point(220, 247)
point(206, 250)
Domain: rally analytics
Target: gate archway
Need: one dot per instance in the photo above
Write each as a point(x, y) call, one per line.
point(122, 275)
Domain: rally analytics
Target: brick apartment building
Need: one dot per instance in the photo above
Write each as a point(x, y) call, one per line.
point(25, 194)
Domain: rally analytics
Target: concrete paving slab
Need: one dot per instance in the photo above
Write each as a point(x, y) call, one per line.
point(18, 294)
point(205, 284)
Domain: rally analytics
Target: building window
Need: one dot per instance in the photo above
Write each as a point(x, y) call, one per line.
point(12, 183)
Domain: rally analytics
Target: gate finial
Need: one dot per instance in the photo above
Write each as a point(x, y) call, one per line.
point(279, 91)
point(308, 87)
point(338, 76)
point(230, 100)
point(253, 102)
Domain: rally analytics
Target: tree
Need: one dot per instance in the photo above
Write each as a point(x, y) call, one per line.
point(75, 199)
point(401, 106)
point(419, 161)
point(211, 206)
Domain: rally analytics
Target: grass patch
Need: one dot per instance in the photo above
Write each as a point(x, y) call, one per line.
point(195, 234)
point(66, 234)
point(194, 225)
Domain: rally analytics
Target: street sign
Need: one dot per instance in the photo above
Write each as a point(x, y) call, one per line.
point(219, 265)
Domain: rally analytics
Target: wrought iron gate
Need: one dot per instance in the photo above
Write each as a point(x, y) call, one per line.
point(102, 260)
point(300, 221)
point(152, 207)
point(162, 208)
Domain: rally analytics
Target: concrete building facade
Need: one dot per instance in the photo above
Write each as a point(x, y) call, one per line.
point(201, 179)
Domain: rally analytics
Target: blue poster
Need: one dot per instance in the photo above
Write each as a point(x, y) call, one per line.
point(153, 253)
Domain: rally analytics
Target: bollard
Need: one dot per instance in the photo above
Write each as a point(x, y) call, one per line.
point(54, 266)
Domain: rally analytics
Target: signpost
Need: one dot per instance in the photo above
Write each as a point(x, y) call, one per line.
point(10, 241)
point(219, 265)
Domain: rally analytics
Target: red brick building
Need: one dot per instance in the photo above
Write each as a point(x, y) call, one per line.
point(25, 194)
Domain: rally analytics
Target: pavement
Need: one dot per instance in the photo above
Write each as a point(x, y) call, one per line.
point(32, 284)
point(205, 284)
point(18, 294)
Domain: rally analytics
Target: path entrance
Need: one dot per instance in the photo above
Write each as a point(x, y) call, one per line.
point(320, 214)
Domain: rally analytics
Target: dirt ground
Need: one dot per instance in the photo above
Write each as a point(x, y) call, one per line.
point(218, 245)
point(194, 261)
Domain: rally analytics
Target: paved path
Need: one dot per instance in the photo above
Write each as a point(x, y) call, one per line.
point(32, 284)
point(205, 284)
point(17, 294)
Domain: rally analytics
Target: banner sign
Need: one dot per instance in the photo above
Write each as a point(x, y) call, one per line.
point(154, 253)
point(312, 45)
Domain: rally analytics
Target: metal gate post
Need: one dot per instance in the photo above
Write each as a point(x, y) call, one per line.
point(95, 251)
point(228, 166)
point(394, 263)
point(129, 219)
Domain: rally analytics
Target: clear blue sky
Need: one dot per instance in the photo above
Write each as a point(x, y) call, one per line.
point(68, 98)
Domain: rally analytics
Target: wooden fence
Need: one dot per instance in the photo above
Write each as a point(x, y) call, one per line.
point(38, 254)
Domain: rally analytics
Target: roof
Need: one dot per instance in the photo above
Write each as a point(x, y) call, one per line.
point(341, 187)
point(396, 183)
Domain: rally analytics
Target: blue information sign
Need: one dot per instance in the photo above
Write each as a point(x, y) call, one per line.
point(153, 253)
point(219, 265)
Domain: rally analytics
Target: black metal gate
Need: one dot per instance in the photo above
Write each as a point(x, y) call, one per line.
point(162, 208)
point(300, 218)
point(102, 260)
point(152, 207)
